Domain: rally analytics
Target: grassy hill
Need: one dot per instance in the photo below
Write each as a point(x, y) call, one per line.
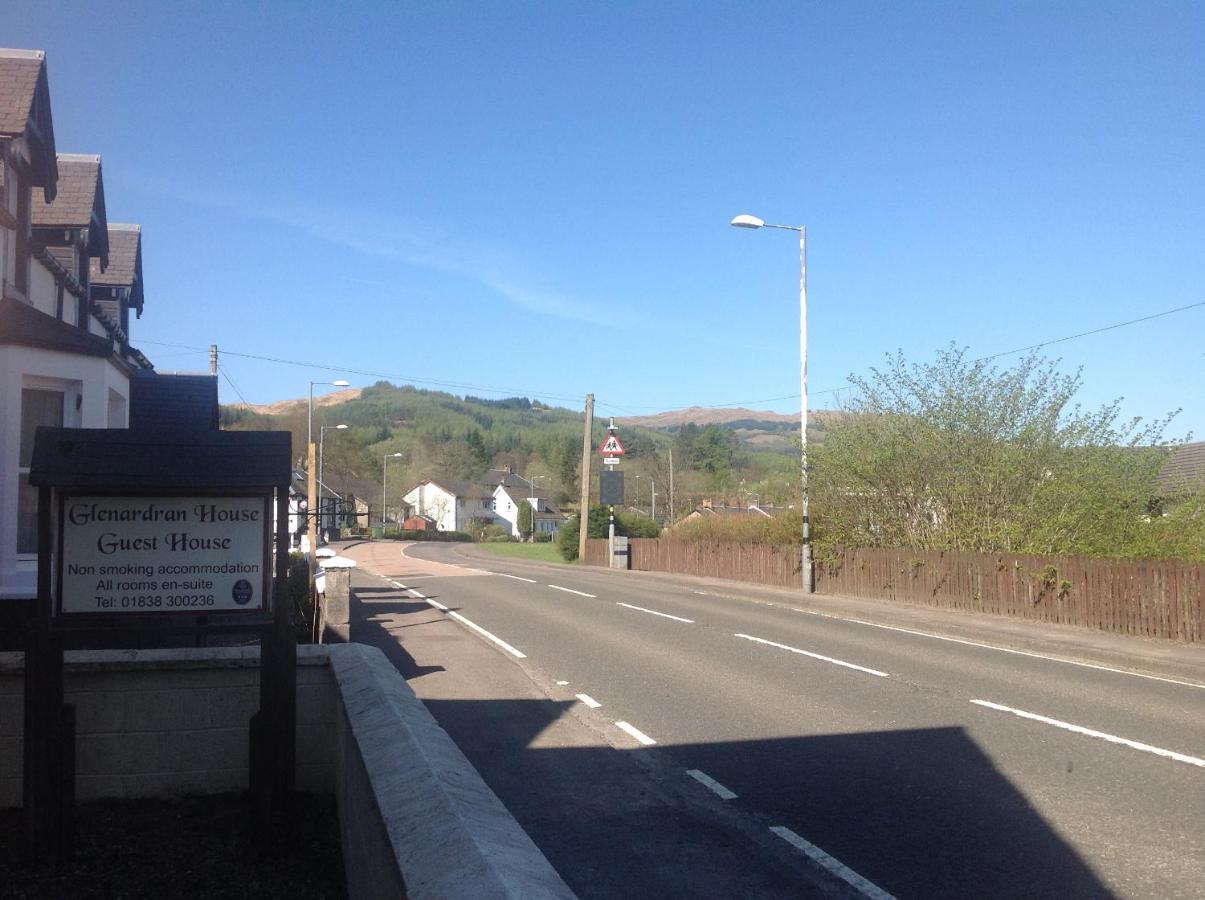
point(442, 434)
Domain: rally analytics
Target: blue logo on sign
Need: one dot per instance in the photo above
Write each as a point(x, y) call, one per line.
point(242, 592)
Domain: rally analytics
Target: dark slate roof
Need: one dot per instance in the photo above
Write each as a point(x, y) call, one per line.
point(1184, 471)
point(171, 403)
point(25, 110)
point(80, 203)
point(21, 324)
point(84, 458)
point(125, 262)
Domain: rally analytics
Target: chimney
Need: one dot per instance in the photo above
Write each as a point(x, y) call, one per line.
point(508, 469)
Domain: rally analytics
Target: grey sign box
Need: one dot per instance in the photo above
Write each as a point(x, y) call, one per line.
point(610, 488)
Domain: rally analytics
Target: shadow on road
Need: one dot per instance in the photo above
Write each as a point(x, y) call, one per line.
point(919, 812)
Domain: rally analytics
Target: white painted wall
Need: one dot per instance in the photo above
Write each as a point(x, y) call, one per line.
point(43, 291)
point(96, 385)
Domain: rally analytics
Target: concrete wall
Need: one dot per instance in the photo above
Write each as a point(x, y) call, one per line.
point(416, 819)
point(153, 723)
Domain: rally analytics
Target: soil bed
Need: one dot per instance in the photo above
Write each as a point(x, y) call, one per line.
point(194, 847)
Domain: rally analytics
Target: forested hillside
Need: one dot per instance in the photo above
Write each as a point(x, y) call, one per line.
point(443, 435)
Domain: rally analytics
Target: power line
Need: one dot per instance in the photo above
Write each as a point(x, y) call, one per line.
point(1070, 337)
point(222, 369)
point(412, 379)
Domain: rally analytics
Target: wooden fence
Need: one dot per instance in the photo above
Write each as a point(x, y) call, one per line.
point(1161, 599)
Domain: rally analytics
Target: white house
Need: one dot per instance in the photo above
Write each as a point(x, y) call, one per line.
point(507, 501)
point(451, 504)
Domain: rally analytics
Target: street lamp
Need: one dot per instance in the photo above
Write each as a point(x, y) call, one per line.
point(532, 501)
point(638, 492)
point(322, 430)
point(384, 473)
point(747, 221)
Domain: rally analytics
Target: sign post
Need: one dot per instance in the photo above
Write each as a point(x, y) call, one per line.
point(610, 485)
point(153, 533)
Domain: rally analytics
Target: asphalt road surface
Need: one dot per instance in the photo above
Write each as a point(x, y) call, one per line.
point(769, 737)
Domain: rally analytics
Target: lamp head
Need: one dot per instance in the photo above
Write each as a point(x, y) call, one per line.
point(745, 221)
point(340, 427)
point(340, 383)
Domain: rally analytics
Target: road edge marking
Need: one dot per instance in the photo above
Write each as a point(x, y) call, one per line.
point(711, 784)
point(832, 864)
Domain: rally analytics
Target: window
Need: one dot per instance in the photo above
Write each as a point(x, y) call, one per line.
point(38, 407)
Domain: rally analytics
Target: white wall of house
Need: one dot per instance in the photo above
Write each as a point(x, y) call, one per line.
point(43, 289)
point(95, 393)
point(430, 500)
point(507, 509)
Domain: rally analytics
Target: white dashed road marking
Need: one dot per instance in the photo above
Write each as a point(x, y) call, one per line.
point(588, 700)
point(517, 577)
point(636, 733)
point(557, 587)
point(655, 613)
point(1089, 732)
point(518, 654)
point(711, 784)
point(838, 868)
point(828, 659)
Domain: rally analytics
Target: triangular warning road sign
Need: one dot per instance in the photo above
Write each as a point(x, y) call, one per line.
point(612, 446)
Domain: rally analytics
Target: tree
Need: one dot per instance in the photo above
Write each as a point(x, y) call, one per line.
point(958, 454)
point(525, 519)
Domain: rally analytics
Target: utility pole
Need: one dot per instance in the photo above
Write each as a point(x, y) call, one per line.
point(584, 515)
point(213, 359)
point(671, 486)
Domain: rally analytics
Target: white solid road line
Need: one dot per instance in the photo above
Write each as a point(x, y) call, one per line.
point(517, 577)
point(636, 733)
point(828, 659)
point(655, 613)
point(985, 646)
point(1111, 738)
point(518, 654)
point(557, 587)
point(711, 784)
point(838, 868)
point(588, 700)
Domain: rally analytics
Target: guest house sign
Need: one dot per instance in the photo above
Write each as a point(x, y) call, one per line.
point(163, 554)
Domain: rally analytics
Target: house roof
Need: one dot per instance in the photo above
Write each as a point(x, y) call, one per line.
point(25, 326)
point(1184, 471)
point(460, 488)
point(80, 203)
point(25, 111)
point(125, 262)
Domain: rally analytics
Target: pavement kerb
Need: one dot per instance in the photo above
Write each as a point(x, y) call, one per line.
point(450, 834)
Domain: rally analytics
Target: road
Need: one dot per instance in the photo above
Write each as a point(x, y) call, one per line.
point(932, 757)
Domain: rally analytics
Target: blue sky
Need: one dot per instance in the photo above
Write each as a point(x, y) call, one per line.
point(533, 198)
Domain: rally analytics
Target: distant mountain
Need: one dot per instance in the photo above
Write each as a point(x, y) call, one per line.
point(737, 418)
point(280, 407)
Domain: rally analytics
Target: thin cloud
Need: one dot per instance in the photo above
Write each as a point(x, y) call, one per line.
point(415, 244)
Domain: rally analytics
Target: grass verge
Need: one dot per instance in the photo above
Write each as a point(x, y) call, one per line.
point(537, 552)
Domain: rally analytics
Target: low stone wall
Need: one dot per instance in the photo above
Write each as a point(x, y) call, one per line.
point(417, 821)
point(155, 723)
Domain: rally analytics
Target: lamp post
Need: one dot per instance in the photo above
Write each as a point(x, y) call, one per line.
point(637, 492)
point(322, 430)
point(384, 473)
point(532, 501)
point(747, 221)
